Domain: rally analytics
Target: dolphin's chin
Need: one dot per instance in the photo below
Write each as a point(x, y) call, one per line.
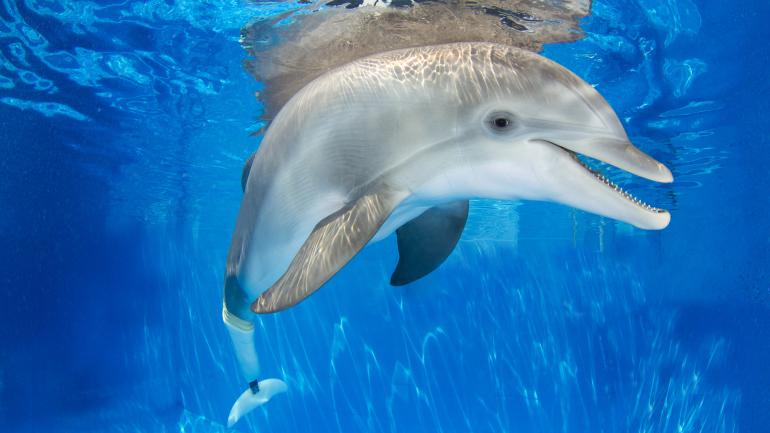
point(606, 197)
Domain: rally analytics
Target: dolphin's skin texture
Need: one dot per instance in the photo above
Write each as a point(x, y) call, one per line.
point(401, 141)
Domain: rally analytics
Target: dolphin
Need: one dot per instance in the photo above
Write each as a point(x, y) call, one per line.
point(399, 142)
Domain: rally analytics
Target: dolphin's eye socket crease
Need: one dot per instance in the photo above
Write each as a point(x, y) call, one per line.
point(500, 122)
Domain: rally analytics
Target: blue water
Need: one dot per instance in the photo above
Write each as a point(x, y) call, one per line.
point(123, 129)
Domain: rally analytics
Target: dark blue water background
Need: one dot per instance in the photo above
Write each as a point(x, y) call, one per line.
point(123, 129)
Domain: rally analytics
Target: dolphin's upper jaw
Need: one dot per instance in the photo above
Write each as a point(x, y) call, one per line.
point(603, 143)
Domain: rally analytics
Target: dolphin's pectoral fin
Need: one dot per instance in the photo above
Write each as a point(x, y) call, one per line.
point(246, 171)
point(426, 241)
point(333, 242)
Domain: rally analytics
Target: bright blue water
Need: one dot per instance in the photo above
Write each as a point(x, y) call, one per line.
point(124, 125)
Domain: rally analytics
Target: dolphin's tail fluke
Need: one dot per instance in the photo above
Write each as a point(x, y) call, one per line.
point(259, 392)
point(250, 400)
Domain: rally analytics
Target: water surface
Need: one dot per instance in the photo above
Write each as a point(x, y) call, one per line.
point(124, 126)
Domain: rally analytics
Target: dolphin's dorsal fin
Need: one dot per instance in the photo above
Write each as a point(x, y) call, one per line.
point(333, 242)
point(426, 241)
point(246, 171)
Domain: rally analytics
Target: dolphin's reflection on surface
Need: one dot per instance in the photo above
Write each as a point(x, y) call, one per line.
point(294, 48)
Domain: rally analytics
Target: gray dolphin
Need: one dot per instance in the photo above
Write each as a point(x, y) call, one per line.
point(399, 142)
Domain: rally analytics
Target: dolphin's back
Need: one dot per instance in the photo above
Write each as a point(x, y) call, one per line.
point(356, 118)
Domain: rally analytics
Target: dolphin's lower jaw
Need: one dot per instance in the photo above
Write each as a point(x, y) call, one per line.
point(584, 187)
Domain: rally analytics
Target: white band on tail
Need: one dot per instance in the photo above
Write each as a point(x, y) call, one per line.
point(242, 335)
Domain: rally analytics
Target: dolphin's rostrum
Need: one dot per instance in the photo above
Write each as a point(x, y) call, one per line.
point(399, 142)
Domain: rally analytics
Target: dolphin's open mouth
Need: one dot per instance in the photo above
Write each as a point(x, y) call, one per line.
point(610, 184)
point(585, 187)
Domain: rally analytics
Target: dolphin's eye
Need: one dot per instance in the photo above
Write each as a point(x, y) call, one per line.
point(500, 122)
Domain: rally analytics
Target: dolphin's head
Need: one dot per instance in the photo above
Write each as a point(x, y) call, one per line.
point(522, 136)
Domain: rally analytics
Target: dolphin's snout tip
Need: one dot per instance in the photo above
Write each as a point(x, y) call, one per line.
point(641, 164)
point(664, 220)
point(665, 174)
point(659, 221)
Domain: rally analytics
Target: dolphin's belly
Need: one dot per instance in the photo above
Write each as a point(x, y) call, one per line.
point(281, 231)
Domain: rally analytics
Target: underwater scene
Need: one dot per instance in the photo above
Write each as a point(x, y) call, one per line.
point(385, 216)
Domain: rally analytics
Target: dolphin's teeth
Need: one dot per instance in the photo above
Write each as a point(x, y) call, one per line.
point(617, 188)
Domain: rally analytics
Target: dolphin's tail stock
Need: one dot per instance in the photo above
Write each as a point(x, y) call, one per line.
point(258, 392)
